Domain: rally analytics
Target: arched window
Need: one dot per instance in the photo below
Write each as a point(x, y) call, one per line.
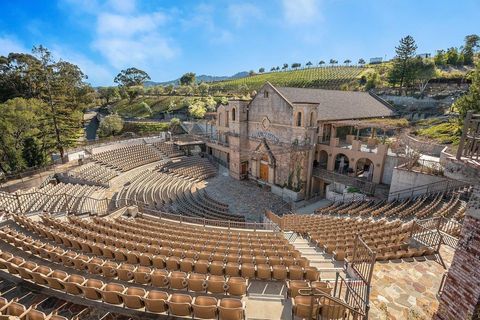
point(299, 119)
point(233, 114)
point(220, 116)
point(311, 119)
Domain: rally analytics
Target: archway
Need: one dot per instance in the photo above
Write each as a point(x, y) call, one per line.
point(323, 159)
point(364, 169)
point(341, 163)
point(264, 168)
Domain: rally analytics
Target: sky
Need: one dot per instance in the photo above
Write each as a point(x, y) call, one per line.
point(169, 38)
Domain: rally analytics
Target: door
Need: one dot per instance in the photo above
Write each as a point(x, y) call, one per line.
point(263, 171)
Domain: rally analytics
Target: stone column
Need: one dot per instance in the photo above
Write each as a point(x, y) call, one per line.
point(460, 298)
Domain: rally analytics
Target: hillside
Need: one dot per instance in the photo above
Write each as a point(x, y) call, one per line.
point(317, 77)
point(199, 79)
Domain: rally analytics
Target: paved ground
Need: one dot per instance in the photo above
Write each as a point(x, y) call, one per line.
point(244, 197)
point(310, 208)
point(407, 290)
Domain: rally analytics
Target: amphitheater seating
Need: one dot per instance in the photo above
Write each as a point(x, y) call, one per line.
point(127, 158)
point(60, 197)
point(192, 167)
point(169, 149)
point(94, 173)
point(445, 204)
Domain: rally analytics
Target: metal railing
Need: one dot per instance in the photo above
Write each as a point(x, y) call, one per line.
point(470, 140)
point(446, 185)
point(366, 187)
point(450, 229)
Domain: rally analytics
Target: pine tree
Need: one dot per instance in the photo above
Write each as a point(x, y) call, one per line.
point(402, 71)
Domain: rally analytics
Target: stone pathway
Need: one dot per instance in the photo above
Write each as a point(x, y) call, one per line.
point(244, 197)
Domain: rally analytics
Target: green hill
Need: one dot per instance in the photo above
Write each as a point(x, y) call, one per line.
point(317, 77)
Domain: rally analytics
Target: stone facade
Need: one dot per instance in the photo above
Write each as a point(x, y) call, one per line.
point(460, 298)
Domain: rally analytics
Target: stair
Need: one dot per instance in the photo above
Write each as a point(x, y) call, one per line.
point(319, 259)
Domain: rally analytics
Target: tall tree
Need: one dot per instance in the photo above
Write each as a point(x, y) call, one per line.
point(108, 94)
point(308, 64)
point(402, 71)
point(188, 79)
point(347, 62)
point(472, 44)
point(361, 61)
point(131, 77)
point(261, 70)
point(471, 100)
point(285, 66)
point(110, 126)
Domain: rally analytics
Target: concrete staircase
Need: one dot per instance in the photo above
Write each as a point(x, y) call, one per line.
point(317, 257)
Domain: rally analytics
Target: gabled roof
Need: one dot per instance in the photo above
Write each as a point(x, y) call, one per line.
point(336, 104)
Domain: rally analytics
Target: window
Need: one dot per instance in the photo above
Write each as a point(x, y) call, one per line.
point(265, 94)
point(226, 119)
point(233, 114)
point(299, 119)
point(311, 119)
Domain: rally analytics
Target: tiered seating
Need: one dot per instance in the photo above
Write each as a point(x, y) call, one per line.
point(181, 194)
point(93, 172)
point(13, 309)
point(168, 148)
point(193, 167)
point(448, 205)
point(337, 235)
point(127, 158)
point(60, 197)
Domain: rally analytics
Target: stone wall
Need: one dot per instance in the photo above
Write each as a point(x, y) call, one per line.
point(461, 293)
point(403, 179)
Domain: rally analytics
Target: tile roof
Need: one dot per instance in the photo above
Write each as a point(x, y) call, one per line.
point(338, 105)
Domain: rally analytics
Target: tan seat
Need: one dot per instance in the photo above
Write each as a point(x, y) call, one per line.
point(142, 275)
point(204, 307)
point(274, 260)
point(111, 293)
point(311, 273)
point(216, 284)
point(159, 261)
point(302, 307)
point(197, 282)
point(156, 301)
point(295, 272)
point(231, 309)
point(180, 305)
point(56, 278)
point(294, 285)
point(109, 269)
point(178, 280)
point(173, 263)
point(40, 274)
point(237, 286)
point(331, 310)
point(201, 266)
point(279, 272)
point(264, 271)
point(94, 265)
point(133, 297)
point(15, 309)
point(125, 272)
point(322, 286)
point(186, 265)
point(216, 268)
point(248, 270)
point(80, 262)
point(302, 261)
point(232, 269)
point(145, 259)
point(160, 278)
point(25, 270)
point(91, 289)
point(72, 284)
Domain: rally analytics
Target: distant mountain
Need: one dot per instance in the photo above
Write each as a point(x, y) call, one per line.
point(200, 78)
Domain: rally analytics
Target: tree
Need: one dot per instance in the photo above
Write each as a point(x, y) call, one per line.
point(321, 62)
point(131, 77)
point(402, 71)
point(203, 88)
point(333, 61)
point(347, 62)
point(471, 100)
point(440, 58)
point(296, 65)
point(144, 109)
point(372, 80)
point(251, 73)
point(261, 70)
point(108, 94)
point(174, 124)
point(285, 66)
point(309, 64)
point(32, 152)
point(197, 109)
point(472, 44)
point(424, 72)
point(110, 126)
point(188, 79)
point(277, 68)
point(452, 56)
point(133, 92)
point(361, 61)
point(185, 90)
point(272, 69)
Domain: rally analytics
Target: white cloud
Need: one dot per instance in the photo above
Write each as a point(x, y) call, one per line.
point(10, 44)
point(241, 13)
point(202, 18)
point(125, 6)
point(301, 11)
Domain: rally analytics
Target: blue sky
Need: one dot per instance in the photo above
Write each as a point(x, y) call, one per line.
point(169, 38)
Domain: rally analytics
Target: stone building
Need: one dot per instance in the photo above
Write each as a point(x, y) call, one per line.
point(287, 137)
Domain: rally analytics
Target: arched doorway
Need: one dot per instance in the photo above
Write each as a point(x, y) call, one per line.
point(341, 163)
point(364, 169)
point(323, 159)
point(264, 168)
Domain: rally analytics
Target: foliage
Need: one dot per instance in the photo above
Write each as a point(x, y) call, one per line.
point(131, 77)
point(133, 92)
point(32, 152)
point(470, 100)
point(261, 70)
point(372, 79)
point(188, 79)
point(403, 71)
point(197, 109)
point(145, 127)
point(174, 123)
point(203, 88)
point(444, 132)
point(108, 94)
point(472, 44)
point(111, 125)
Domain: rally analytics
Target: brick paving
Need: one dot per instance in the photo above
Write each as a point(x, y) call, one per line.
point(244, 197)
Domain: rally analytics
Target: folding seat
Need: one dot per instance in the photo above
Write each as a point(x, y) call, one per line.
point(216, 268)
point(205, 255)
point(302, 308)
point(323, 286)
point(216, 284)
point(248, 270)
point(154, 249)
point(295, 273)
point(15, 310)
point(197, 282)
point(237, 286)
point(288, 261)
point(67, 258)
point(142, 275)
point(96, 249)
point(39, 274)
point(160, 278)
point(159, 261)
point(111, 293)
point(166, 251)
point(125, 272)
point(133, 297)
point(232, 269)
point(80, 262)
point(204, 307)
point(247, 258)
point(178, 280)
point(94, 265)
point(274, 260)
point(56, 278)
point(260, 260)
point(109, 269)
point(72, 284)
point(294, 285)
point(186, 265)
point(25, 270)
point(201, 266)
point(133, 257)
point(279, 272)
point(121, 254)
point(180, 305)
point(302, 261)
point(173, 263)
point(192, 254)
point(91, 289)
point(331, 310)
point(231, 309)
point(264, 271)
point(156, 301)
